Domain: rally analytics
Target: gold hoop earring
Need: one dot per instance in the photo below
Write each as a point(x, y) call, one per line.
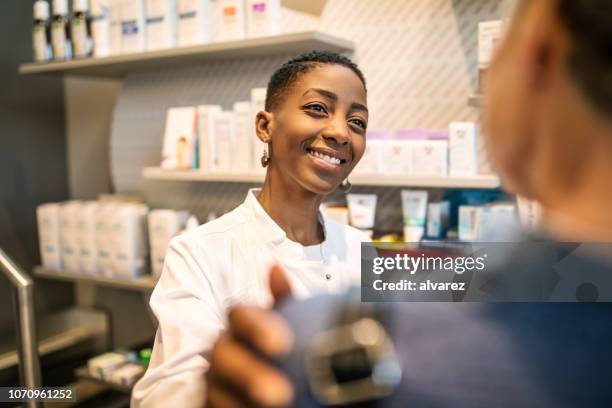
point(346, 186)
point(265, 158)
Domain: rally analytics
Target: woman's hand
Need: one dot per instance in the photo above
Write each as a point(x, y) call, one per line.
point(237, 376)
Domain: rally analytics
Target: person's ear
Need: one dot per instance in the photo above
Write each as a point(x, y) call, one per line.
point(544, 44)
point(264, 125)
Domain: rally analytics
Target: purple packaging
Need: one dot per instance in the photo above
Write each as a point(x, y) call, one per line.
point(421, 134)
point(381, 134)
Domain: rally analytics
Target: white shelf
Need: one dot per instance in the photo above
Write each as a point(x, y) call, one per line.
point(479, 182)
point(119, 65)
point(142, 284)
point(157, 173)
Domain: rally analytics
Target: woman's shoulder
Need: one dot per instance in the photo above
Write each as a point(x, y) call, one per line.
point(213, 232)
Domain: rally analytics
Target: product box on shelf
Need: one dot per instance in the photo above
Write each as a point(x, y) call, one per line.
point(258, 104)
point(163, 225)
point(438, 217)
point(263, 17)
point(127, 374)
point(371, 160)
point(489, 35)
point(133, 37)
point(206, 136)
point(105, 364)
point(69, 212)
point(430, 158)
point(230, 23)
point(463, 149)
point(86, 236)
point(195, 21)
point(129, 241)
point(224, 141)
point(161, 24)
point(104, 244)
point(468, 222)
point(48, 218)
point(116, 26)
point(243, 135)
point(396, 152)
point(497, 221)
point(101, 27)
point(179, 150)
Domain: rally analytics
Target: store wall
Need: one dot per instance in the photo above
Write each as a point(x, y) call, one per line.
point(419, 58)
point(89, 104)
point(32, 156)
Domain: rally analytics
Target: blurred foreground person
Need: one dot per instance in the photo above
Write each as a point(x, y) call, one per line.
point(549, 129)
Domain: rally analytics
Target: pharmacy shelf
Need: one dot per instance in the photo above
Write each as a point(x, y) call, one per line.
point(71, 328)
point(477, 182)
point(118, 65)
point(157, 173)
point(142, 284)
point(476, 101)
point(82, 373)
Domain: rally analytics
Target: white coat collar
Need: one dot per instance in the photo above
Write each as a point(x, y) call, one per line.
point(266, 227)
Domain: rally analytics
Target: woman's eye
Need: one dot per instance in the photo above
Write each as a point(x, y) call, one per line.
point(359, 123)
point(317, 108)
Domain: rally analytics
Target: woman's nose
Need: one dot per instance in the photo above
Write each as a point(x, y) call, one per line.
point(338, 135)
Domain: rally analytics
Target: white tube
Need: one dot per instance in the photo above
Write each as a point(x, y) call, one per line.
point(362, 210)
point(414, 208)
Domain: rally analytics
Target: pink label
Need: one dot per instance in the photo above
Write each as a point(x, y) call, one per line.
point(259, 7)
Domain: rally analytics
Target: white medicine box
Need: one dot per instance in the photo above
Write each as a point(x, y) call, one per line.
point(195, 21)
point(263, 17)
point(463, 149)
point(489, 35)
point(230, 24)
point(160, 24)
point(48, 217)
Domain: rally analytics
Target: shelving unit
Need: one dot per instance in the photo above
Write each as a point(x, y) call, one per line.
point(142, 284)
point(82, 373)
point(117, 66)
point(478, 182)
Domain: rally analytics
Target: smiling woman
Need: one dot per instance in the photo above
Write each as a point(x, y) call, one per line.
point(314, 126)
point(315, 123)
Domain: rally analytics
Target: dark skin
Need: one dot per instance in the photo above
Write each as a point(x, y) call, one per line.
point(325, 111)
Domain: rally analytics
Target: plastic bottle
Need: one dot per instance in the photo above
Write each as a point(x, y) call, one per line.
point(41, 47)
point(60, 32)
point(80, 28)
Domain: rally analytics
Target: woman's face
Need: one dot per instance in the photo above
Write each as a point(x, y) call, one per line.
point(317, 133)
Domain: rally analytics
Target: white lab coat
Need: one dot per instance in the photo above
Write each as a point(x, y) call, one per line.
point(223, 263)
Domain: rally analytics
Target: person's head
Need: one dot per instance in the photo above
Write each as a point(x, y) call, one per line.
point(549, 97)
point(315, 121)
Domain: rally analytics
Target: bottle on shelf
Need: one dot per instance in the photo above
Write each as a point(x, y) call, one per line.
point(80, 28)
point(41, 45)
point(60, 31)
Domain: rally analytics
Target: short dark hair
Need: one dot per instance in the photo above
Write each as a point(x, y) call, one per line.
point(284, 77)
point(589, 23)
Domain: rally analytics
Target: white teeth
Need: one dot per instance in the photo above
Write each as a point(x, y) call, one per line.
point(325, 157)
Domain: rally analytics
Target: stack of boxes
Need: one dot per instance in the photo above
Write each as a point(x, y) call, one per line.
point(213, 140)
point(106, 238)
point(130, 26)
point(422, 152)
